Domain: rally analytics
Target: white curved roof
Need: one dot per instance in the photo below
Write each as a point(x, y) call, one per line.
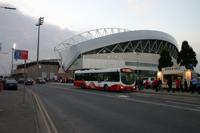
point(70, 49)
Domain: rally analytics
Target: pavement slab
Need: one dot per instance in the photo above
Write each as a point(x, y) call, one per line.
point(16, 116)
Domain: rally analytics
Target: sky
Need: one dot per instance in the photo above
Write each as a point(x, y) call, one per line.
point(64, 18)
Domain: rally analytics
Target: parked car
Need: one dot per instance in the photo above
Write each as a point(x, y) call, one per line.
point(21, 81)
point(29, 81)
point(198, 85)
point(40, 81)
point(10, 84)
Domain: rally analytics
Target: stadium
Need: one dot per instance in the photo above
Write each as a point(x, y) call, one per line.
point(115, 47)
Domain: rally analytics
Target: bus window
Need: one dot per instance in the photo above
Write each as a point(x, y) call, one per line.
point(111, 76)
point(127, 78)
point(100, 77)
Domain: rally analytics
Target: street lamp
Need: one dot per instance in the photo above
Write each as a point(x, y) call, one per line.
point(40, 22)
point(137, 54)
point(9, 8)
point(13, 50)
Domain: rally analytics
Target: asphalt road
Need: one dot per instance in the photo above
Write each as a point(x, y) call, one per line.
point(89, 111)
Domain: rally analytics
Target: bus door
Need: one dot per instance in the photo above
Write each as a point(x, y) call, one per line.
point(100, 81)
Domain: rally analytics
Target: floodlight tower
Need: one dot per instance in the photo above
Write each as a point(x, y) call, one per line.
point(40, 22)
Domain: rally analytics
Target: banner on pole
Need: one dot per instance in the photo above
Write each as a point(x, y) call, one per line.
point(21, 54)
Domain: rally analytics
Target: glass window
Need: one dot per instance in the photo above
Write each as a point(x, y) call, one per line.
point(111, 76)
point(127, 78)
point(100, 77)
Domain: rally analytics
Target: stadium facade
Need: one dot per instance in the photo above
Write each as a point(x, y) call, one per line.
point(115, 47)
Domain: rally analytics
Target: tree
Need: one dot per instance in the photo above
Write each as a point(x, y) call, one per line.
point(165, 59)
point(187, 56)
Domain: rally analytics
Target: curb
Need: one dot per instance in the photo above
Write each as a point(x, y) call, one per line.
point(44, 122)
point(57, 83)
point(172, 94)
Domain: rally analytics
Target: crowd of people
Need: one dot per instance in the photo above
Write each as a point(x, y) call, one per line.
point(184, 86)
point(171, 85)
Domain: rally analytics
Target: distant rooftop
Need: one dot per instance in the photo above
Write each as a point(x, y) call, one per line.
point(44, 61)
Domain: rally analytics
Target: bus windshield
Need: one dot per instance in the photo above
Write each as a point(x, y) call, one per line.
point(127, 77)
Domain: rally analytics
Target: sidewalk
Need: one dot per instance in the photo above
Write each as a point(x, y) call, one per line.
point(16, 117)
point(165, 92)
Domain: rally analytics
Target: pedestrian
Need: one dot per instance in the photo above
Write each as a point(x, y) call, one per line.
point(193, 85)
point(177, 84)
point(1, 86)
point(169, 83)
point(141, 84)
point(198, 86)
point(146, 84)
point(159, 84)
point(155, 84)
point(181, 86)
point(185, 85)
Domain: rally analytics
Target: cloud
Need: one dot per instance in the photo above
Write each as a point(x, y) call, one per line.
point(15, 27)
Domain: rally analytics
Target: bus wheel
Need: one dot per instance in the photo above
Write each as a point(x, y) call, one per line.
point(105, 87)
point(82, 86)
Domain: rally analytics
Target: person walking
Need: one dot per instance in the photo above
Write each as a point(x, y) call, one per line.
point(159, 84)
point(177, 84)
point(1, 85)
point(198, 85)
point(169, 83)
point(185, 86)
point(193, 85)
point(141, 84)
point(155, 84)
point(181, 86)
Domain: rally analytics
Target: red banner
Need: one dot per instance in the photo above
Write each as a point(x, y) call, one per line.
point(21, 54)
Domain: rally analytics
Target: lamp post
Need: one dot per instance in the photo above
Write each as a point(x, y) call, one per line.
point(40, 22)
point(137, 54)
point(13, 50)
point(8, 8)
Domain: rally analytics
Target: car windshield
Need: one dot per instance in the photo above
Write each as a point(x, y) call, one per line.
point(29, 79)
point(127, 77)
point(11, 81)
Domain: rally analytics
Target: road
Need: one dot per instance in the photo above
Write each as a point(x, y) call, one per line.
point(89, 111)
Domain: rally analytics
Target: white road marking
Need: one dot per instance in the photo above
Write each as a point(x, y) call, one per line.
point(135, 100)
point(51, 128)
point(169, 97)
point(163, 104)
point(143, 94)
point(122, 96)
point(183, 103)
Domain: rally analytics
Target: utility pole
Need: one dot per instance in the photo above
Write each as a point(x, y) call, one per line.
point(13, 50)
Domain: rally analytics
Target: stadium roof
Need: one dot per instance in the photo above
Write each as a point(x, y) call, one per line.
point(70, 49)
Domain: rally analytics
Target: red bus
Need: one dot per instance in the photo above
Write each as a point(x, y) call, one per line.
point(113, 79)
